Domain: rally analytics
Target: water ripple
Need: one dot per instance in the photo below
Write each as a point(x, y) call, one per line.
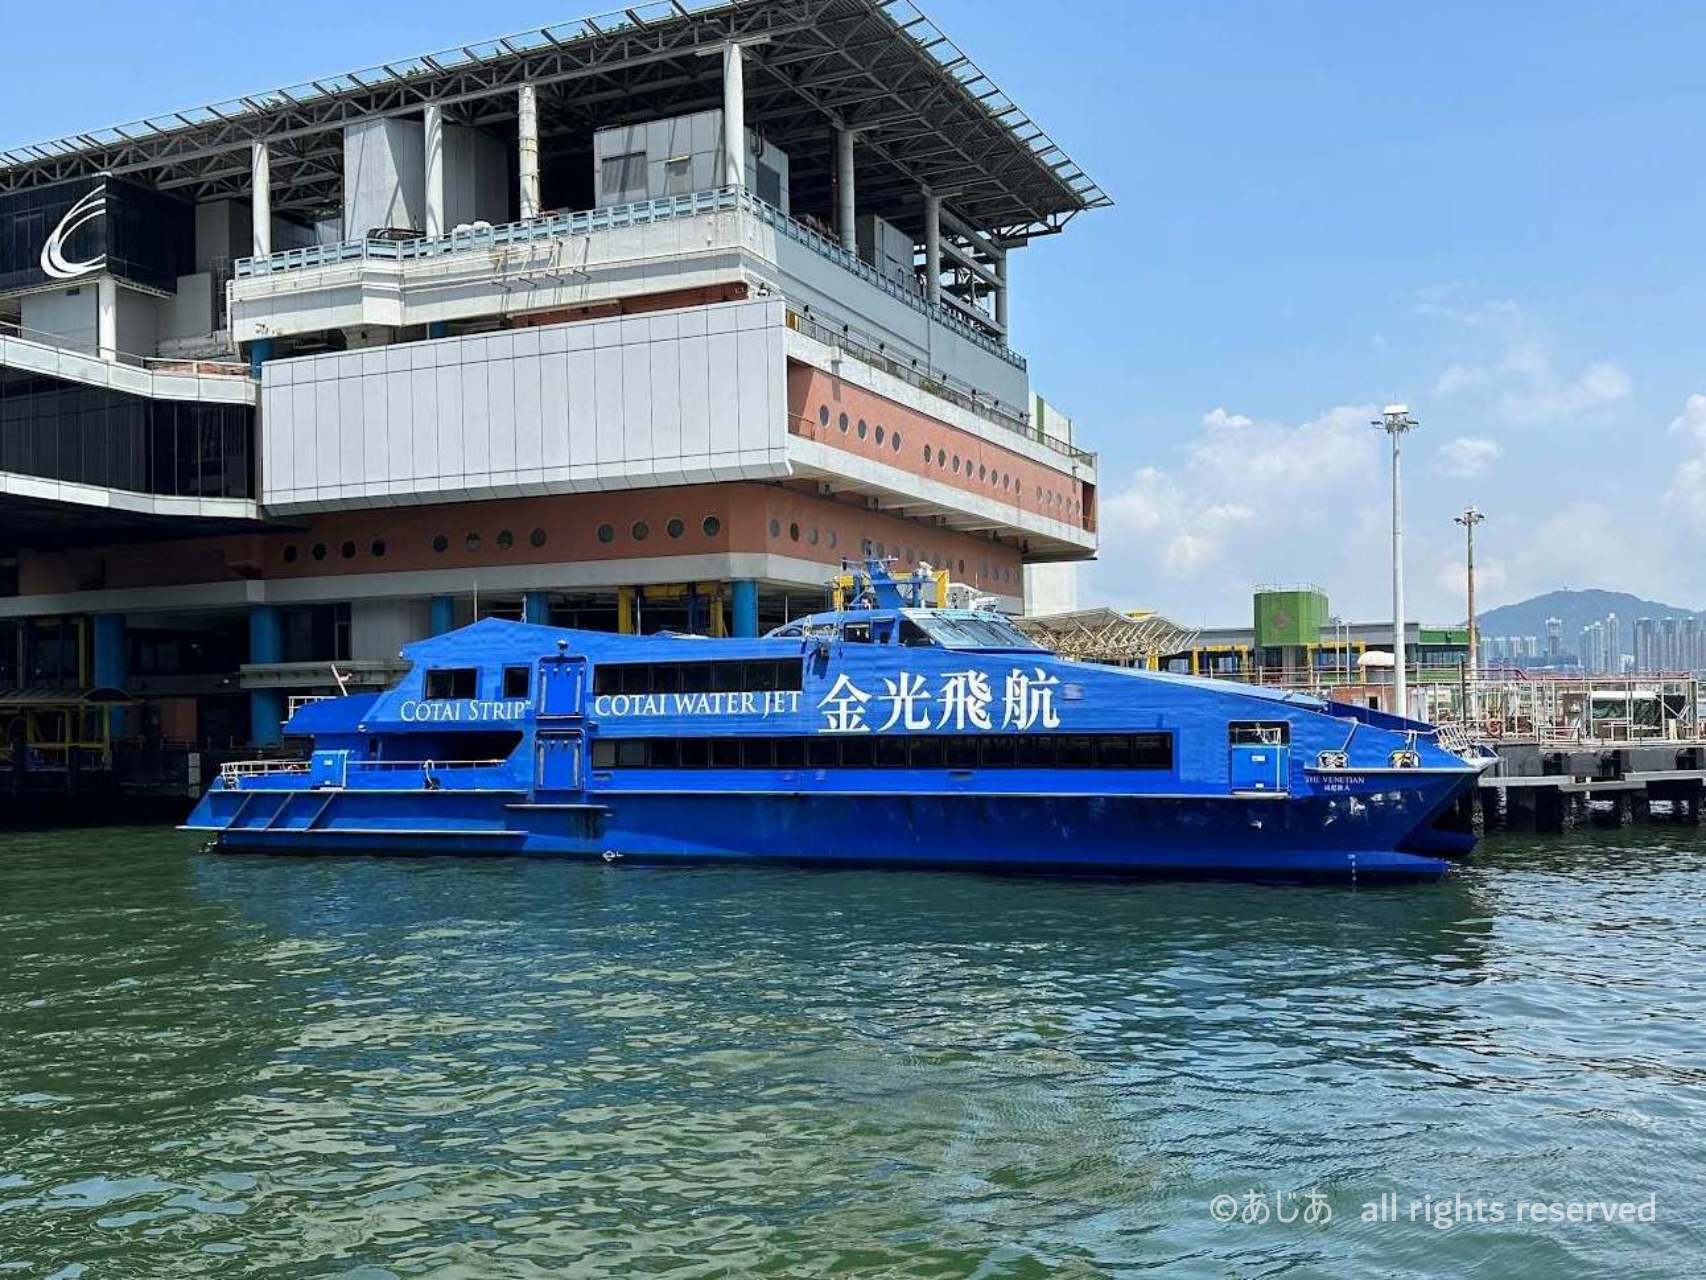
point(366, 1068)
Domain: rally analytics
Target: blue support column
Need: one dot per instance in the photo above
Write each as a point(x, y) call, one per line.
point(110, 666)
point(745, 597)
point(536, 608)
point(266, 644)
point(260, 351)
point(441, 615)
point(438, 328)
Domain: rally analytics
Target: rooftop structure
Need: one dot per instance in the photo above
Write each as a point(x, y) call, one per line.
point(646, 319)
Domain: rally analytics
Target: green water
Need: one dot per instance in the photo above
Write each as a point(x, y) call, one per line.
point(368, 1068)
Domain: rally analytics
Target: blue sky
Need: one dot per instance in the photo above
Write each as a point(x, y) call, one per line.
point(1492, 212)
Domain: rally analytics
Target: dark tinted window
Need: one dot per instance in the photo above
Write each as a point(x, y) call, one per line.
point(452, 682)
point(759, 675)
point(516, 682)
point(1152, 751)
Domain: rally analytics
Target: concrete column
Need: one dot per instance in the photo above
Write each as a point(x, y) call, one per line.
point(260, 202)
point(845, 208)
point(527, 148)
point(536, 608)
point(734, 118)
point(434, 138)
point(745, 600)
point(110, 665)
point(932, 247)
point(1001, 291)
point(441, 615)
point(266, 644)
point(106, 318)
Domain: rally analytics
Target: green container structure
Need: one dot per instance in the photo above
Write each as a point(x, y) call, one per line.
point(1290, 617)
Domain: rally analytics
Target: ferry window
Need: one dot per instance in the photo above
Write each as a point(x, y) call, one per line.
point(1000, 751)
point(1152, 751)
point(695, 753)
point(451, 682)
point(666, 678)
point(1268, 733)
point(604, 754)
point(725, 753)
point(631, 753)
point(790, 753)
point(859, 752)
point(696, 677)
point(913, 634)
point(1074, 751)
point(756, 753)
point(1036, 751)
point(760, 676)
point(516, 682)
point(664, 753)
point(823, 753)
point(891, 751)
point(960, 753)
point(926, 753)
point(726, 676)
point(856, 632)
point(1113, 751)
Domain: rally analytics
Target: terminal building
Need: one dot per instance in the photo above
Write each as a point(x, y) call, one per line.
point(643, 321)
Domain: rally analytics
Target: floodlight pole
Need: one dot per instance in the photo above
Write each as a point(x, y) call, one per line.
point(1395, 420)
point(1469, 519)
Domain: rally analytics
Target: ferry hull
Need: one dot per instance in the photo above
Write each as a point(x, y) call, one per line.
point(1267, 837)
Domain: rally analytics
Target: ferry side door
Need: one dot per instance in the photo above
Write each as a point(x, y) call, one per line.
point(559, 738)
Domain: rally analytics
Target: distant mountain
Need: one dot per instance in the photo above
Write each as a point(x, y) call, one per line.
point(1576, 609)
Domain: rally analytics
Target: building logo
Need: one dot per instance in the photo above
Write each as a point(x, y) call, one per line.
point(79, 215)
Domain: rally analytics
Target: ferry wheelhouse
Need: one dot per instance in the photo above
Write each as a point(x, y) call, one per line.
point(886, 732)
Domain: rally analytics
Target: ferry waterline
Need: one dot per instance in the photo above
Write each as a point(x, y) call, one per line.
point(887, 732)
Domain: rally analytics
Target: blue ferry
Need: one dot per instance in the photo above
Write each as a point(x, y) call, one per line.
point(882, 732)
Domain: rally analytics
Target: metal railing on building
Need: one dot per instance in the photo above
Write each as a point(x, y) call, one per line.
point(194, 368)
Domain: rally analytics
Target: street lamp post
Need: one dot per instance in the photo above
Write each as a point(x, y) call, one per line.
point(1395, 420)
point(1469, 519)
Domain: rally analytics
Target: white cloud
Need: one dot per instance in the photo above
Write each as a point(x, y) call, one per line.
point(1467, 457)
point(1522, 378)
point(1687, 493)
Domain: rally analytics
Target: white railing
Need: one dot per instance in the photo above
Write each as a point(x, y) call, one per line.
point(152, 364)
point(485, 238)
point(233, 771)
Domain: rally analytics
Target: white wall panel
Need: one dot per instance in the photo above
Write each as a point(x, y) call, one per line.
point(672, 398)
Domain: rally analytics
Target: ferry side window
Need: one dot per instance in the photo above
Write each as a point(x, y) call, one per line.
point(913, 634)
point(790, 753)
point(856, 632)
point(695, 752)
point(604, 754)
point(1268, 733)
point(882, 632)
point(451, 682)
point(760, 676)
point(517, 681)
point(725, 753)
point(726, 676)
point(891, 751)
point(696, 677)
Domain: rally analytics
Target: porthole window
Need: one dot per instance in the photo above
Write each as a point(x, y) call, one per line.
point(376, 548)
point(290, 554)
point(864, 546)
point(471, 542)
point(894, 441)
point(793, 533)
point(956, 464)
point(823, 415)
point(926, 450)
point(833, 539)
point(941, 459)
point(811, 535)
point(537, 537)
point(640, 531)
point(319, 551)
point(607, 533)
point(962, 566)
point(347, 551)
point(862, 428)
point(675, 528)
point(775, 527)
point(842, 422)
point(881, 551)
point(711, 526)
point(879, 435)
point(981, 473)
point(506, 539)
point(440, 543)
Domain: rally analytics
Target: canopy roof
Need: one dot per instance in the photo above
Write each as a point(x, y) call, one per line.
point(926, 115)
